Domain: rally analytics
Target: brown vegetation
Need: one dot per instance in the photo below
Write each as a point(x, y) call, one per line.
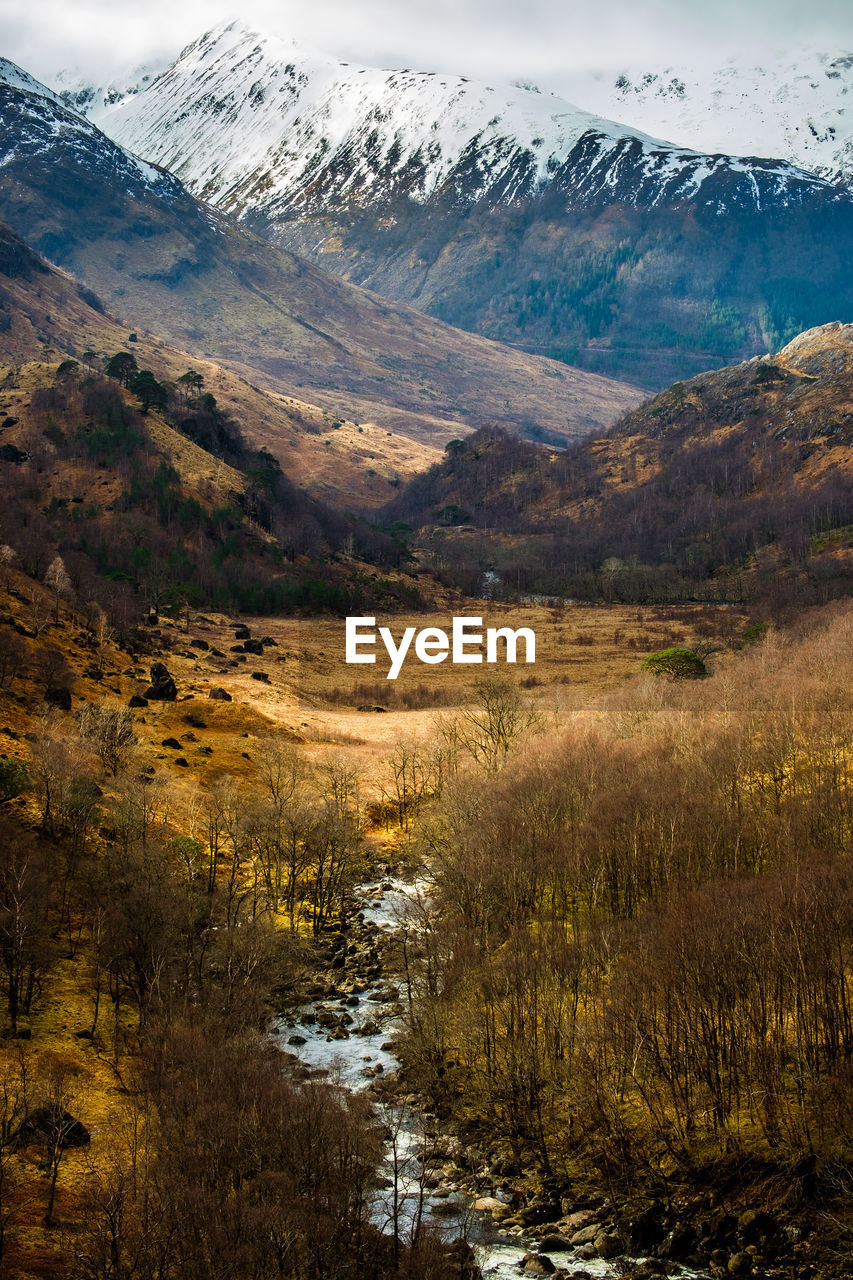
point(95, 507)
point(731, 487)
point(641, 957)
point(48, 317)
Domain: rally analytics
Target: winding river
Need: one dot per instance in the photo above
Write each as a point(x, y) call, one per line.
point(347, 1036)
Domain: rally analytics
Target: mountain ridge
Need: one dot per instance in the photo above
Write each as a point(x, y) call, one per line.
point(796, 107)
point(636, 259)
point(735, 485)
point(260, 129)
point(184, 271)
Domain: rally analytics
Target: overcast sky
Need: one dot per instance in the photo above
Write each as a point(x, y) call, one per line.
point(542, 40)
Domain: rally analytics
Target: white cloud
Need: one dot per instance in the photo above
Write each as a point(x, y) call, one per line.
point(544, 40)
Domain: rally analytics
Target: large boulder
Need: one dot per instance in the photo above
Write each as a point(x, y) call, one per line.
point(45, 1126)
point(607, 1245)
point(756, 1227)
point(577, 1220)
point(642, 1225)
point(587, 1234)
point(219, 695)
point(162, 687)
point(538, 1264)
point(489, 1204)
point(11, 453)
point(59, 697)
point(554, 1244)
point(458, 1263)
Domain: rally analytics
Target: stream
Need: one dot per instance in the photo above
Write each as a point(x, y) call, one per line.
point(346, 1034)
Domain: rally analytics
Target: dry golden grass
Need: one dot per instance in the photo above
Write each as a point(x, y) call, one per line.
point(582, 651)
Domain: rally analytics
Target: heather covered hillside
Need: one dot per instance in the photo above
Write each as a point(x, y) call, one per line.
point(734, 485)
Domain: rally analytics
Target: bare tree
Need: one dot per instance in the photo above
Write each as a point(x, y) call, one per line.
point(9, 559)
point(111, 734)
point(54, 767)
point(26, 951)
point(413, 775)
point(13, 654)
point(57, 677)
point(38, 613)
point(56, 1122)
point(280, 769)
point(13, 1108)
point(102, 633)
point(58, 581)
point(498, 717)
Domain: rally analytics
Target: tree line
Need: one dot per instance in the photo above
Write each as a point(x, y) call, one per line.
point(686, 511)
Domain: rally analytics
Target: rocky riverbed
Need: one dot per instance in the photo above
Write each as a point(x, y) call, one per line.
point(346, 1031)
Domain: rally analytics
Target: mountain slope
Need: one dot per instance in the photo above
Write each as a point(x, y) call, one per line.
point(737, 484)
point(143, 516)
point(179, 501)
point(47, 316)
point(507, 212)
point(798, 108)
point(162, 259)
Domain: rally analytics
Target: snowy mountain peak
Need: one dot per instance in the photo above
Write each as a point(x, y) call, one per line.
point(260, 128)
point(251, 123)
point(240, 114)
point(14, 77)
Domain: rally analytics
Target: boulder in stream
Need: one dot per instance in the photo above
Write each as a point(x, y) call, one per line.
point(586, 1235)
point(538, 1264)
point(553, 1243)
point(607, 1245)
point(489, 1204)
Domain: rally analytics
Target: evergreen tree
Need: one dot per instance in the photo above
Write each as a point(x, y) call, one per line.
point(151, 393)
point(122, 366)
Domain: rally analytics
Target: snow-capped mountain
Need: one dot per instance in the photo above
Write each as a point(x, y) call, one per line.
point(799, 109)
point(501, 210)
point(166, 262)
point(34, 109)
point(253, 125)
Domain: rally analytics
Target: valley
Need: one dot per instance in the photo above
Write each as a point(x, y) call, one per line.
point(47, 315)
point(225, 755)
point(430, 968)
